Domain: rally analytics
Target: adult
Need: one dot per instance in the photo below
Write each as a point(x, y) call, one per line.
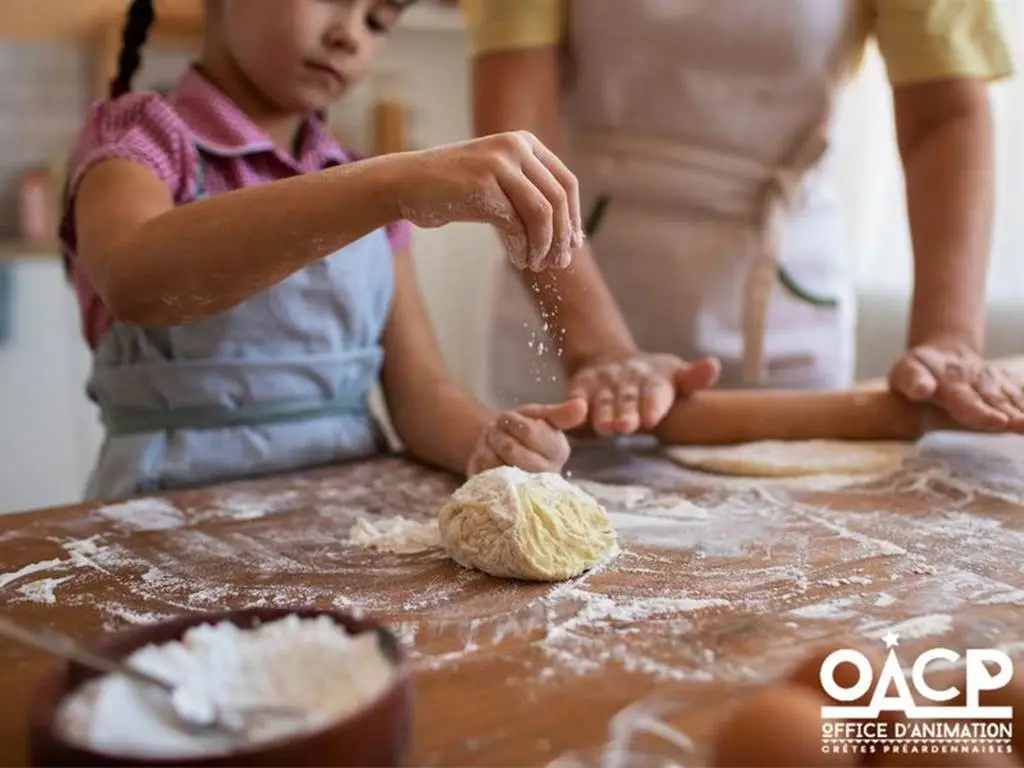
point(702, 129)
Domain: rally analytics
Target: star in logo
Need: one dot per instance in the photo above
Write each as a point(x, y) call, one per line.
point(891, 639)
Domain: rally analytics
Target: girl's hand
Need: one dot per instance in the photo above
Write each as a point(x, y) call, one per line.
point(531, 438)
point(509, 180)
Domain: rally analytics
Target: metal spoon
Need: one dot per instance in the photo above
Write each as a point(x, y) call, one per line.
point(186, 717)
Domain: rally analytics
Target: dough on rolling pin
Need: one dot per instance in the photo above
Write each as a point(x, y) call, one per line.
point(517, 525)
point(777, 458)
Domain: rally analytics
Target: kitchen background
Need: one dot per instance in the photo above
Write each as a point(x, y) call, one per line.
point(50, 72)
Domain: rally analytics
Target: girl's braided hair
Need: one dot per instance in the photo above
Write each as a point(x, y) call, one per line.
point(136, 29)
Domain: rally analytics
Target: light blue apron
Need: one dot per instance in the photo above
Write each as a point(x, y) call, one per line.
point(278, 383)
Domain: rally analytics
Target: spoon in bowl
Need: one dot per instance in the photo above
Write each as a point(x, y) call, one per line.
point(189, 715)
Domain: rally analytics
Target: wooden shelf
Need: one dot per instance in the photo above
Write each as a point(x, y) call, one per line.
point(82, 20)
point(15, 250)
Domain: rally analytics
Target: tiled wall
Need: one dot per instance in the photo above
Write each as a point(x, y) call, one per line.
point(45, 89)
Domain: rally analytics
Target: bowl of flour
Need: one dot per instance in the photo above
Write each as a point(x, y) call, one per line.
point(348, 676)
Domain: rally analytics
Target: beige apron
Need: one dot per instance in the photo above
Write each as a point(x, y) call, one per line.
point(707, 125)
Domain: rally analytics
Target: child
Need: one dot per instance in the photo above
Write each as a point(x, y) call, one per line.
point(243, 283)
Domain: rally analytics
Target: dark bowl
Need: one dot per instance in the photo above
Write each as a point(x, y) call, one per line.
point(378, 735)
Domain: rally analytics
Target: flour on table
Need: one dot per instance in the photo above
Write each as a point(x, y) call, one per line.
point(932, 625)
point(395, 535)
point(313, 665)
point(144, 514)
point(42, 591)
point(777, 458)
point(519, 525)
point(624, 496)
point(28, 570)
point(750, 554)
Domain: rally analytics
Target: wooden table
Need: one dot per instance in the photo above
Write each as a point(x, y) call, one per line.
point(704, 598)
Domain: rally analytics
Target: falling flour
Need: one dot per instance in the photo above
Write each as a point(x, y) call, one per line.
point(395, 535)
point(312, 665)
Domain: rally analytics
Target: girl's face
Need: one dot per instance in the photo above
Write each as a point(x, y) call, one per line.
point(303, 54)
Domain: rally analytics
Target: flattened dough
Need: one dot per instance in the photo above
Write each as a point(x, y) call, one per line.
point(776, 458)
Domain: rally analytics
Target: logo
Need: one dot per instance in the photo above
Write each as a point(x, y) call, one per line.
point(968, 728)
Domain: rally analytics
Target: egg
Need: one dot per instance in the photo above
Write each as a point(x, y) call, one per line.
point(807, 673)
point(1011, 695)
point(776, 726)
point(943, 760)
point(949, 759)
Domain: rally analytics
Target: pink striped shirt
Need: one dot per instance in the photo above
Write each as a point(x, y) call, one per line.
point(195, 132)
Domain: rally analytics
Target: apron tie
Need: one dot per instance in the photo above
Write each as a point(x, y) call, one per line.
point(127, 420)
point(781, 194)
point(666, 162)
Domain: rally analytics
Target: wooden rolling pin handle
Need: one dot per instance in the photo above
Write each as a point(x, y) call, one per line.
point(730, 417)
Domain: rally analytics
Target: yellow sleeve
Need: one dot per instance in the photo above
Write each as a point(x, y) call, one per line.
point(931, 39)
point(501, 25)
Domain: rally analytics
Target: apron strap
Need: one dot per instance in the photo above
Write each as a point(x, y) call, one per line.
point(782, 192)
point(124, 420)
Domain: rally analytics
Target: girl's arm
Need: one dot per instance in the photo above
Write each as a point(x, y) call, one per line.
point(437, 421)
point(153, 263)
point(157, 264)
point(519, 89)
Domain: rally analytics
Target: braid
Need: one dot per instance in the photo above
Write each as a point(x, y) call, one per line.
point(136, 29)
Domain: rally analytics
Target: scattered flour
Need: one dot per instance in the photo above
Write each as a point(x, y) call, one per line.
point(28, 570)
point(830, 609)
point(314, 665)
point(918, 627)
point(599, 610)
point(144, 514)
point(243, 505)
point(42, 591)
point(750, 555)
point(864, 580)
point(84, 552)
point(395, 535)
point(623, 496)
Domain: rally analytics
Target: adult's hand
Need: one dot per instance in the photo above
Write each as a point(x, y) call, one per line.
point(633, 393)
point(976, 393)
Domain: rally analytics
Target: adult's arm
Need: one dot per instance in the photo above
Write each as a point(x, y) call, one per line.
point(626, 388)
point(940, 56)
point(945, 135)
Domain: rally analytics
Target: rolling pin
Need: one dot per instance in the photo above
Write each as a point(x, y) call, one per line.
point(729, 417)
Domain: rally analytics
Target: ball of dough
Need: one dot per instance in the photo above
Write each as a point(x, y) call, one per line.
point(517, 525)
